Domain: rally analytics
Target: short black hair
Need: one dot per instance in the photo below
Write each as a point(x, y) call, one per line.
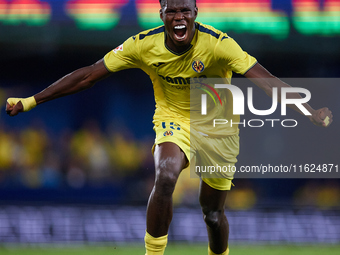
point(161, 2)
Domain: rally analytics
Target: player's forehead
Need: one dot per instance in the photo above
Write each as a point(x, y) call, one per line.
point(179, 4)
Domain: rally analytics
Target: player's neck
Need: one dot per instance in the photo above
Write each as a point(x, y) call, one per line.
point(177, 48)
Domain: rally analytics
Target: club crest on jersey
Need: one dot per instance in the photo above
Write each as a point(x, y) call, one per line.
point(168, 133)
point(119, 48)
point(198, 66)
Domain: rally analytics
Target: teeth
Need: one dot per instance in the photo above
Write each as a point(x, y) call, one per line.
point(180, 38)
point(180, 27)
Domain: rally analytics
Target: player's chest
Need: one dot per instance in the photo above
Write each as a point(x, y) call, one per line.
point(178, 70)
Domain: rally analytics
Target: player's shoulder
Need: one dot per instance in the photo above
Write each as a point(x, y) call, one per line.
point(145, 40)
point(150, 34)
point(209, 31)
point(211, 38)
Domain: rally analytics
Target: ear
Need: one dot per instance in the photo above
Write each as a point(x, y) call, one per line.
point(196, 12)
point(161, 13)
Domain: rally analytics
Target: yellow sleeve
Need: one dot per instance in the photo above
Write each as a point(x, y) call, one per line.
point(123, 57)
point(229, 53)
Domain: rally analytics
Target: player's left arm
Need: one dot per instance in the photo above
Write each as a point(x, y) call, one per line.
point(266, 81)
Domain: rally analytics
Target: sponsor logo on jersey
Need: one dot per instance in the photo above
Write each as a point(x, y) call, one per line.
point(182, 80)
point(168, 133)
point(119, 48)
point(198, 66)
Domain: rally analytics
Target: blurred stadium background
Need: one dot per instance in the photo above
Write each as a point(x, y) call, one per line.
point(79, 170)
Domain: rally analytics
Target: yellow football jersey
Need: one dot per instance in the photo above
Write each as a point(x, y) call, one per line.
point(212, 54)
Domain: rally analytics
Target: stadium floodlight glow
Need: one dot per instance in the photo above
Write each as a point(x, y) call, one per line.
point(29, 12)
point(256, 17)
point(310, 18)
point(95, 14)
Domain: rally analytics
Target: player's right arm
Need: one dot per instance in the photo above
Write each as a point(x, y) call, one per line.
point(74, 82)
point(123, 57)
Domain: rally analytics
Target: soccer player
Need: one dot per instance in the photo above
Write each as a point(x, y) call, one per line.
point(172, 54)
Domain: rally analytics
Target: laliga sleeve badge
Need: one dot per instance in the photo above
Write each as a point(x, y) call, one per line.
point(119, 48)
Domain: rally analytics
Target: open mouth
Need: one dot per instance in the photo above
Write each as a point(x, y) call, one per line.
point(180, 32)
